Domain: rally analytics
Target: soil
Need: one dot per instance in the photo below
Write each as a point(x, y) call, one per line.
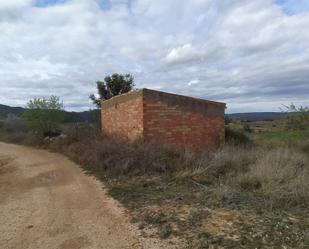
point(47, 202)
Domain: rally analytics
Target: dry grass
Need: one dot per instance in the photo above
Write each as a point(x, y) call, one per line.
point(262, 184)
point(113, 156)
point(280, 175)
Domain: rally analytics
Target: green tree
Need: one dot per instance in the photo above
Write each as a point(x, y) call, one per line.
point(44, 115)
point(297, 118)
point(111, 86)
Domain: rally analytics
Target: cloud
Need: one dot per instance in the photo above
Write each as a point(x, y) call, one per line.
point(254, 55)
point(193, 82)
point(15, 3)
point(182, 54)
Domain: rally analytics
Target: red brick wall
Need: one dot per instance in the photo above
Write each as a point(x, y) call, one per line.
point(176, 121)
point(179, 127)
point(123, 118)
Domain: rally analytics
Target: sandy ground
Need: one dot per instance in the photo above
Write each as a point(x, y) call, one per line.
point(47, 202)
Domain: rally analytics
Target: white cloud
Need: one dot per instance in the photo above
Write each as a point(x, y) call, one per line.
point(182, 54)
point(15, 3)
point(193, 82)
point(242, 52)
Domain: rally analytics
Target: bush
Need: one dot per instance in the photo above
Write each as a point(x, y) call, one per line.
point(113, 155)
point(236, 137)
point(297, 118)
point(247, 128)
point(44, 116)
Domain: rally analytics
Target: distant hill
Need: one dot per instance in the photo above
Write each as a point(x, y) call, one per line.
point(85, 116)
point(71, 117)
point(256, 116)
point(91, 116)
point(5, 110)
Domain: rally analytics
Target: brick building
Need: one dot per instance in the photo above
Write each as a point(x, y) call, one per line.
point(169, 119)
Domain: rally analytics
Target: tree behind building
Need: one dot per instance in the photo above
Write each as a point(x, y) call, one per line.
point(112, 86)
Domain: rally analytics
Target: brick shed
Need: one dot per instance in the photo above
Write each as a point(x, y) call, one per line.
point(173, 120)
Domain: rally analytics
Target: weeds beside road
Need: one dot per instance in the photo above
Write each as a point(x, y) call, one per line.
point(237, 197)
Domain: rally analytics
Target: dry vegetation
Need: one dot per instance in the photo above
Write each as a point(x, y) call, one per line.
point(241, 196)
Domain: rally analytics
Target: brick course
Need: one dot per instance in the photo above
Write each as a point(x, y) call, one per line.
point(124, 118)
point(173, 120)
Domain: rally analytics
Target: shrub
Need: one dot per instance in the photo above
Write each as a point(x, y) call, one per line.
point(297, 118)
point(247, 128)
point(113, 155)
point(236, 137)
point(44, 116)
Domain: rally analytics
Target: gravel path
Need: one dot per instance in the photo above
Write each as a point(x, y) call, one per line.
point(47, 202)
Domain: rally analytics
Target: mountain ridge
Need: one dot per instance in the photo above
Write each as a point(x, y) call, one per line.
point(84, 116)
point(90, 116)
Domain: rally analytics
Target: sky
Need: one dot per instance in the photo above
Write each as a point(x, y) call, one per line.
point(252, 55)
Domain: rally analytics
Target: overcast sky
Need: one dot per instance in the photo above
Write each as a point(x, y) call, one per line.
point(253, 55)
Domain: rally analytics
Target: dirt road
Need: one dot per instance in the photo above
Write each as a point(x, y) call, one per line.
point(47, 202)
